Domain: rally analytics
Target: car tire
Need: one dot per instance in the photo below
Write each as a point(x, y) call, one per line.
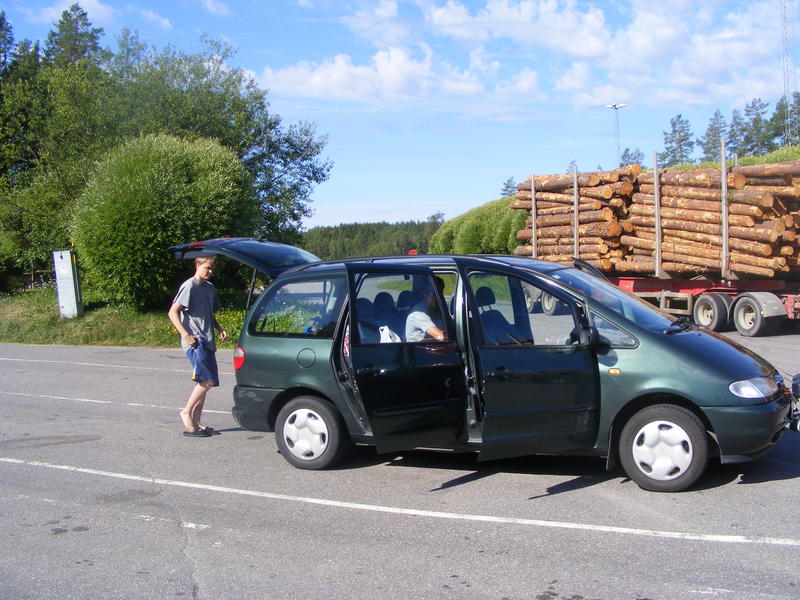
point(664, 448)
point(711, 311)
point(748, 318)
point(530, 298)
point(310, 433)
point(550, 304)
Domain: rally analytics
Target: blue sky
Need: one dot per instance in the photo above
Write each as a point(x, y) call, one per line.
point(431, 105)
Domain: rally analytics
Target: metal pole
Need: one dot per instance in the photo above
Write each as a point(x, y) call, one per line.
point(615, 106)
point(725, 254)
point(534, 250)
point(659, 271)
point(576, 196)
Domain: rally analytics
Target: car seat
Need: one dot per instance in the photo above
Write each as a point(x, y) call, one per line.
point(496, 329)
point(367, 322)
point(386, 313)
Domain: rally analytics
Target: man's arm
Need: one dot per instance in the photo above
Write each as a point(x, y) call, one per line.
point(175, 319)
point(435, 333)
point(223, 335)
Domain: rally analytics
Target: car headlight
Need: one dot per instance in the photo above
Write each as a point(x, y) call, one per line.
point(754, 388)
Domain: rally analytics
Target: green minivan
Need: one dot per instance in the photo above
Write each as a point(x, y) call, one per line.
point(498, 355)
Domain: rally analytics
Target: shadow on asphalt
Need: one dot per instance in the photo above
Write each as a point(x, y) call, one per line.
point(587, 471)
point(780, 464)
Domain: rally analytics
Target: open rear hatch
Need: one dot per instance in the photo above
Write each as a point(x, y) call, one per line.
point(268, 257)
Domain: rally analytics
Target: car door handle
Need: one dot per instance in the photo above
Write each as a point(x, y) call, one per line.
point(368, 370)
point(499, 373)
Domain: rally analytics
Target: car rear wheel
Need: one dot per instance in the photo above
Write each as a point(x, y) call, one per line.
point(310, 433)
point(664, 448)
point(711, 311)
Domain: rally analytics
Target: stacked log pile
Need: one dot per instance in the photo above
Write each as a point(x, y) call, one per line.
point(603, 199)
point(761, 232)
point(617, 228)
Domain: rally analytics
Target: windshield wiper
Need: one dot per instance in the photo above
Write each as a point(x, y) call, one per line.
point(679, 324)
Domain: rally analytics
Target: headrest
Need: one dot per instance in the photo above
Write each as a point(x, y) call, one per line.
point(484, 296)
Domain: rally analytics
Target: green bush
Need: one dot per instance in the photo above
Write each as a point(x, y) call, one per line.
point(487, 229)
point(151, 193)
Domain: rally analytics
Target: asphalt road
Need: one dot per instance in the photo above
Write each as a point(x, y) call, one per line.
point(102, 498)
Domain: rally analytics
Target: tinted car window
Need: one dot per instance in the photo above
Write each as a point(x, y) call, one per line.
point(504, 314)
point(611, 335)
point(634, 309)
point(398, 307)
point(301, 308)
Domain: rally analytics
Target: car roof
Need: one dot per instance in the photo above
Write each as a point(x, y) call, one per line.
point(275, 258)
point(434, 261)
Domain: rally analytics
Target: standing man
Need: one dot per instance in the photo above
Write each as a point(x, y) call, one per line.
point(192, 314)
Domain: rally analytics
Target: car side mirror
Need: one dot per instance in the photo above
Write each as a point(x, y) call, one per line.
point(589, 337)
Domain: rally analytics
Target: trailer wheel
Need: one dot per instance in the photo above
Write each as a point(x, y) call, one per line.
point(711, 311)
point(551, 305)
point(749, 318)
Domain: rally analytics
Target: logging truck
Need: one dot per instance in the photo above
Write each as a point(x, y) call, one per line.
point(716, 245)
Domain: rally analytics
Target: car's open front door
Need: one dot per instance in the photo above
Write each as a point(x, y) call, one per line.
point(538, 382)
point(412, 391)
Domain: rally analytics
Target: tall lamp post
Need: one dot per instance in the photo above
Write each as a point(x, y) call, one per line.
point(616, 108)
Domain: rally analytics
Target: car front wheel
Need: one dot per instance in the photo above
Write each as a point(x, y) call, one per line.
point(310, 433)
point(664, 448)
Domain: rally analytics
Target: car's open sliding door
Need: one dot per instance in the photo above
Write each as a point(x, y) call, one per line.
point(538, 385)
point(413, 391)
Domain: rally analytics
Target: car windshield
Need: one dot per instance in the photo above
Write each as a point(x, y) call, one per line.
point(632, 308)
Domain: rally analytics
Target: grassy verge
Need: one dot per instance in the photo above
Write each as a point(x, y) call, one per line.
point(31, 317)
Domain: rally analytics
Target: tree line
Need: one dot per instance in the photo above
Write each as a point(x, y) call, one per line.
point(372, 239)
point(751, 132)
point(67, 105)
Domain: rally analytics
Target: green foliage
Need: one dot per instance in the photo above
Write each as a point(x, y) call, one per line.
point(73, 39)
point(147, 195)
point(631, 157)
point(31, 317)
point(678, 143)
point(509, 188)
point(62, 112)
point(371, 239)
point(487, 229)
point(709, 144)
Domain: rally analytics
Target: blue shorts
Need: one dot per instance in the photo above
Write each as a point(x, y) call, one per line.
point(204, 363)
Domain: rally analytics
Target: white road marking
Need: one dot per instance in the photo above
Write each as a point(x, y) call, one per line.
point(103, 365)
point(136, 404)
point(412, 512)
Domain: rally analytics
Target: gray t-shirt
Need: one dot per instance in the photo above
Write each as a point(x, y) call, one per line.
point(200, 302)
point(417, 323)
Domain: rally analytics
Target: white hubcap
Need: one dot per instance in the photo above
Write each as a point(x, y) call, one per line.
point(662, 450)
point(306, 434)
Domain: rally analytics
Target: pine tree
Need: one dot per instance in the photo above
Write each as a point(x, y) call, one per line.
point(678, 143)
point(6, 42)
point(783, 124)
point(710, 142)
point(757, 139)
point(509, 188)
point(736, 133)
point(73, 39)
point(631, 157)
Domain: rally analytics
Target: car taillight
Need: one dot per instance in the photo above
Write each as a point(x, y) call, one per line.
point(238, 358)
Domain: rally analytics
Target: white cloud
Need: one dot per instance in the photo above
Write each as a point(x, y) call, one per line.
point(156, 19)
point(378, 24)
point(548, 24)
point(577, 77)
point(391, 75)
point(98, 12)
point(523, 86)
point(215, 7)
